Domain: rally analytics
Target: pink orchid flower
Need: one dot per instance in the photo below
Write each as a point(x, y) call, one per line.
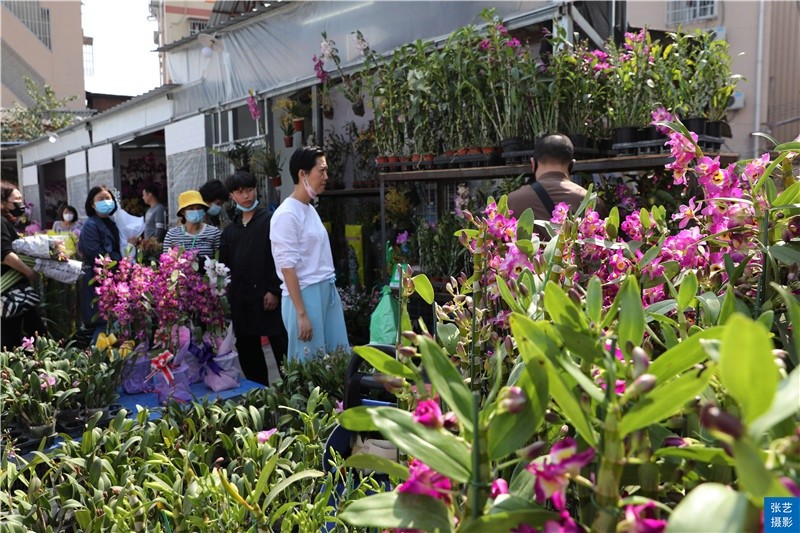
point(552, 471)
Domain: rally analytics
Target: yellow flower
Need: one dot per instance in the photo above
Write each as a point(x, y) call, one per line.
point(105, 342)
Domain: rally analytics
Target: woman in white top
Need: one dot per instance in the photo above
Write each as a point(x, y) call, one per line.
point(313, 314)
point(193, 233)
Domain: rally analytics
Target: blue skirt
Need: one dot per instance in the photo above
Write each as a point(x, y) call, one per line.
point(324, 309)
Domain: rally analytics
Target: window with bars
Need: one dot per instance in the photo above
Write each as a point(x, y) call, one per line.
point(34, 17)
point(686, 11)
point(197, 25)
point(88, 56)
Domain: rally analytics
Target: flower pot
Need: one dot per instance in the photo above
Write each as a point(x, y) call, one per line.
point(328, 113)
point(696, 125)
point(625, 134)
point(462, 151)
point(579, 140)
point(393, 159)
point(381, 159)
point(717, 128)
point(358, 108)
point(41, 431)
point(473, 150)
point(275, 181)
point(415, 158)
point(449, 153)
point(288, 141)
point(512, 144)
point(298, 124)
point(487, 149)
point(649, 133)
point(427, 157)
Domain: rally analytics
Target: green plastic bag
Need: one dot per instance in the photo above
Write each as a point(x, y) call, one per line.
point(383, 321)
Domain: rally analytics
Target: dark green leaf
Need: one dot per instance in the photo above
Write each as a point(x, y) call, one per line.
point(447, 380)
point(506, 521)
point(562, 310)
point(357, 419)
point(687, 290)
point(683, 356)
point(398, 510)
point(699, 454)
point(630, 325)
point(712, 508)
point(664, 401)
point(746, 352)
point(753, 475)
point(377, 463)
point(594, 300)
point(440, 450)
point(784, 404)
point(785, 253)
point(384, 363)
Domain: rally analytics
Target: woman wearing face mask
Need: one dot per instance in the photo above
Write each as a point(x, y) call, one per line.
point(193, 233)
point(312, 313)
point(255, 290)
point(29, 322)
point(99, 237)
point(69, 221)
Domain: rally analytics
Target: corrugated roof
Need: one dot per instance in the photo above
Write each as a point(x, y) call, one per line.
point(226, 14)
point(136, 99)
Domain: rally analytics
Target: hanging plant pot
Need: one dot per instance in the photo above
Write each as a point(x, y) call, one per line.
point(358, 108)
point(288, 141)
point(298, 124)
point(275, 181)
point(327, 112)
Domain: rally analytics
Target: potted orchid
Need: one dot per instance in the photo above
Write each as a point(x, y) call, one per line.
point(353, 82)
point(286, 120)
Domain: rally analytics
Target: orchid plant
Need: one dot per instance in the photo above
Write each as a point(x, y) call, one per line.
point(623, 356)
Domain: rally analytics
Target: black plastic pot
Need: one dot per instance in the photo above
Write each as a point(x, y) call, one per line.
point(626, 134)
point(696, 125)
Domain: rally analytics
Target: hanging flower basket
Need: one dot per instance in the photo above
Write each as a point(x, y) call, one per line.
point(327, 112)
point(275, 181)
point(288, 141)
point(298, 124)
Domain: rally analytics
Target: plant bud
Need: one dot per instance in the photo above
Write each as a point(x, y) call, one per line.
point(450, 421)
point(532, 450)
point(786, 235)
point(512, 400)
point(508, 342)
point(392, 384)
point(551, 417)
point(524, 290)
point(642, 385)
point(564, 429)
point(712, 417)
point(407, 351)
point(410, 335)
point(641, 362)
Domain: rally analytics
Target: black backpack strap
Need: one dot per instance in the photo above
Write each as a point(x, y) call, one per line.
point(543, 196)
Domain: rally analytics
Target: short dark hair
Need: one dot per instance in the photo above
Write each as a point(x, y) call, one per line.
point(89, 207)
point(304, 158)
point(555, 148)
point(71, 210)
point(214, 190)
point(241, 179)
point(153, 189)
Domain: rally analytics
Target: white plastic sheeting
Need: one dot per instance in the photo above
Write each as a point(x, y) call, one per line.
point(272, 53)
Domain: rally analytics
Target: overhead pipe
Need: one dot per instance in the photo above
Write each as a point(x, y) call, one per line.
point(759, 69)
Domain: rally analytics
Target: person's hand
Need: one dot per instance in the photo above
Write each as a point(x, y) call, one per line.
point(270, 302)
point(33, 277)
point(304, 330)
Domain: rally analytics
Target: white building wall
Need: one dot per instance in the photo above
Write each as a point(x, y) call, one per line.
point(30, 176)
point(136, 120)
point(101, 158)
point(75, 164)
point(185, 135)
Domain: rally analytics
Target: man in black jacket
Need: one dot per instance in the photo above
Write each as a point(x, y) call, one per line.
point(255, 289)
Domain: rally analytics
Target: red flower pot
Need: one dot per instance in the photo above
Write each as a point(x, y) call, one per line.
point(288, 141)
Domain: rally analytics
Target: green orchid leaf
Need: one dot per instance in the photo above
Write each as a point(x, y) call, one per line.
point(644, 218)
point(712, 508)
point(594, 300)
point(508, 431)
point(683, 356)
point(784, 404)
point(793, 312)
point(786, 254)
point(583, 345)
point(612, 223)
point(746, 352)
point(398, 510)
point(525, 225)
point(508, 298)
point(562, 310)
point(507, 520)
point(439, 449)
point(687, 291)
point(533, 381)
point(357, 419)
point(583, 380)
point(698, 454)
point(753, 475)
point(569, 406)
point(280, 487)
point(423, 287)
point(791, 146)
point(728, 307)
point(788, 196)
point(447, 380)
point(711, 304)
point(448, 335)
point(384, 363)
point(630, 325)
point(664, 401)
point(379, 464)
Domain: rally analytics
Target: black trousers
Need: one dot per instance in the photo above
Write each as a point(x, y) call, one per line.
point(251, 356)
point(13, 329)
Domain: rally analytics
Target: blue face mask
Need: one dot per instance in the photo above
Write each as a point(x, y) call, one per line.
point(194, 216)
point(214, 210)
point(105, 207)
point(247, 209)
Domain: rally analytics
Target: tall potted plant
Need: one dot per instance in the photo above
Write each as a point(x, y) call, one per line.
point(352, 82)
point(286, 120)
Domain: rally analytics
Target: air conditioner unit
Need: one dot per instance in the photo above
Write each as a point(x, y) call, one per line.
point(736, 101)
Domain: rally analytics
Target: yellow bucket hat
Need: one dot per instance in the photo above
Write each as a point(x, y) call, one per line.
point(187, 198)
